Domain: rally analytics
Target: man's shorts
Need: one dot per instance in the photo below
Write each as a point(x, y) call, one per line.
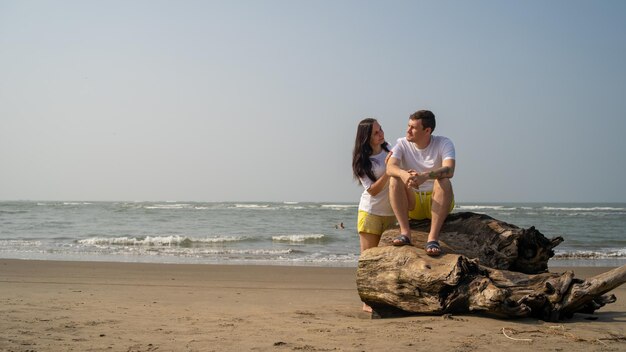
point(374, 224)
point(422, 210)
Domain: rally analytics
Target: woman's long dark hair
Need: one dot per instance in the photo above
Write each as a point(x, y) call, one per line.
point(361, 163)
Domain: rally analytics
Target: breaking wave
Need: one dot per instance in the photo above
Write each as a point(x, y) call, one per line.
point(299, 238)
point(606, 254)
point(173, 240)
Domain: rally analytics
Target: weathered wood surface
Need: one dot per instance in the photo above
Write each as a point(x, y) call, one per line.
point(403, 280)
point(494, 243)
point(488, 266)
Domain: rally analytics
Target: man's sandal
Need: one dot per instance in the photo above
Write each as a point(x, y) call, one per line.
point(401, 240)
point(433, 248)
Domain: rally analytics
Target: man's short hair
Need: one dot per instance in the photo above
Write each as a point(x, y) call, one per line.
point(427, 117)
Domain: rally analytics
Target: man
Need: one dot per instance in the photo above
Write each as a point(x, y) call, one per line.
point(421, 166)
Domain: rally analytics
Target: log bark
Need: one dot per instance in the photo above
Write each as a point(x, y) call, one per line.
point(494, 243)
point(405, 280)
point(488, 266)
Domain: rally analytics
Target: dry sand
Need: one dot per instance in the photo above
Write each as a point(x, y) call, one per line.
point(93, 306)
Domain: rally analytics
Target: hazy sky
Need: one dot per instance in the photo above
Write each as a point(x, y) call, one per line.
point(259, 100)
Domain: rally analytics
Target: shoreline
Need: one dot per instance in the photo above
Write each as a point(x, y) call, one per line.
point(114, 306)
point(552, 263)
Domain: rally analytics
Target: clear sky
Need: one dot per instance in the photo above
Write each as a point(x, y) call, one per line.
point(259, 100)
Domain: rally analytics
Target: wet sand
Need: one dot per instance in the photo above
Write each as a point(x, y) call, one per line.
point(96, 306)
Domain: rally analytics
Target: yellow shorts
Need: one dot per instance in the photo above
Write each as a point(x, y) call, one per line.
point(422, 210)
point(374, 224)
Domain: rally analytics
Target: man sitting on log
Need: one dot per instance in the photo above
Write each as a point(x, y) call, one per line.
point(420, 167)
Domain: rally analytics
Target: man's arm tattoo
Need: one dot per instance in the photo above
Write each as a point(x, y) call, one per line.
point(439, 173)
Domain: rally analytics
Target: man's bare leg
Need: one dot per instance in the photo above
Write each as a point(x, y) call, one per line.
point(440, 208)
point(402, 199)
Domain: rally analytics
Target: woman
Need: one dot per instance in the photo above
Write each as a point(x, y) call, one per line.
point(369, 158)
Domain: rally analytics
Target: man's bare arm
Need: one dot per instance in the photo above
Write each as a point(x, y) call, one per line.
point(393, 167)
point(394, 170)
point(445, 171)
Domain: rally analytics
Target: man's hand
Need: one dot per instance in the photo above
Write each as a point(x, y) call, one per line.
point(416, 179)
point(412, 179)
point(420, 178)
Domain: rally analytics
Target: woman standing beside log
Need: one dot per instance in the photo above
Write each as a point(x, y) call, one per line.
point(369, 160)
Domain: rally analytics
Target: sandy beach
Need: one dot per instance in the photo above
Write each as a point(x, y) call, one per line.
point(96, 306)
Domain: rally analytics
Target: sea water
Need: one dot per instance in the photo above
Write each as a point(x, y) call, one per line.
point(282, 233)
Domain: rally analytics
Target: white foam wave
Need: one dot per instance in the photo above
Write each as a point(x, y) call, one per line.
point(132, 241)
point(473, 207)
point(608, 253)
point(251, 206)
point(167, 206)
point(584, 209)
point(247, 251)
point(298, 238)
point(220, 239)
point(234, 253)
point(339, 206)
point(19, 243)
point(173, 240)
point(329, 259)
point(483, 207)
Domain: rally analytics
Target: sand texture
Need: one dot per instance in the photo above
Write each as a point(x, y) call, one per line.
point(93, 306)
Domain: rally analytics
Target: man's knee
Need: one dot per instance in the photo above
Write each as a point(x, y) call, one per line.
point(443, 184)
point(395, 182)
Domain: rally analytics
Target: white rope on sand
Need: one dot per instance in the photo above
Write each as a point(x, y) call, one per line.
point(514, 339)
point(602, 342)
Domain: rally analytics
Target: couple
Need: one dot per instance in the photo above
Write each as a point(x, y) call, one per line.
point(410, 181)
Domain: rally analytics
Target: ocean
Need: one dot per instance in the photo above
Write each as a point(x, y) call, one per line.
point(274, 233)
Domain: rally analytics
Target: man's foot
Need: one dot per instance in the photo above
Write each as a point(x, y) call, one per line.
point(433, 249)
point(366, 308)
point(401, 240)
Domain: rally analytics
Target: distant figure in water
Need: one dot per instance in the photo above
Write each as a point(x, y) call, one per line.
point(369, 159)
point(340, 226)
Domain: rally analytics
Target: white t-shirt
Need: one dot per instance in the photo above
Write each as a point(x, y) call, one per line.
point(378, 204)
point(423, 160)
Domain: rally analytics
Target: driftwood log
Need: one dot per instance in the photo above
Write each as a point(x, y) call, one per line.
point(397, 281)
point(494, 243)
